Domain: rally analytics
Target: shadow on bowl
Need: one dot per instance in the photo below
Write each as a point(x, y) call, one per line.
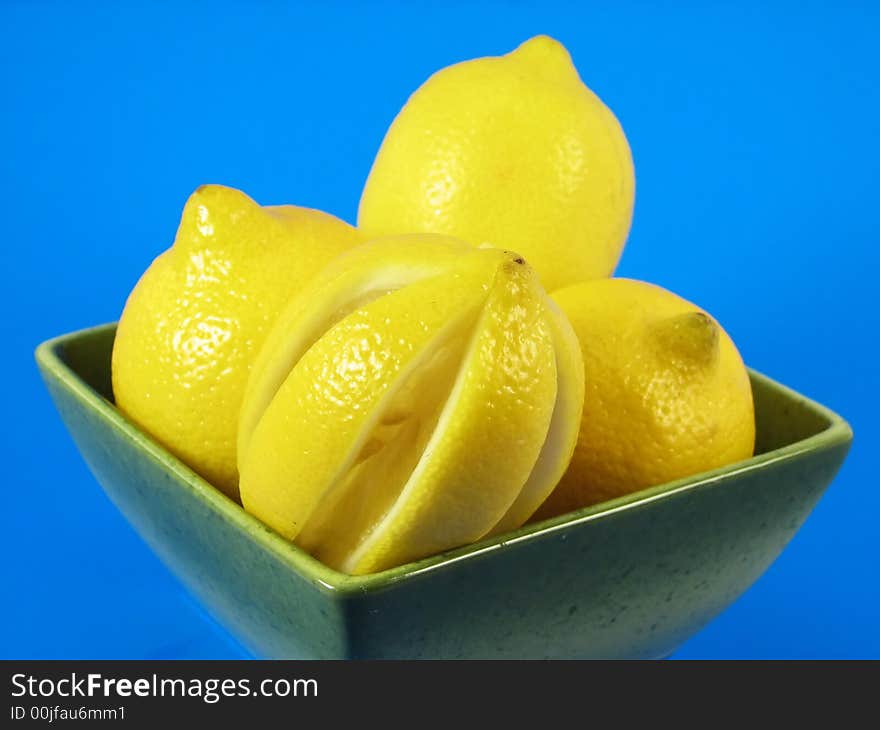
point(630, 578)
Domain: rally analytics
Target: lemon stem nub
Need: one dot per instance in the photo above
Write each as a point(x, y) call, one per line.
point(692, 338)
point(545, 52)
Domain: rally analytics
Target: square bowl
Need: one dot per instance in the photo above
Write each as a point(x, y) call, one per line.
point(630, 578)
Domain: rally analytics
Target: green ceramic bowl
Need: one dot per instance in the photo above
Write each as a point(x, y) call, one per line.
point(632, 578)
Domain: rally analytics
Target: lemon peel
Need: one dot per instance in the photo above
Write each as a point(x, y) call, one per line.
point(514, 151)
point(667, 394)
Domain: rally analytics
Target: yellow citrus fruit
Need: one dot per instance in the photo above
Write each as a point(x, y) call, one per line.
point(514, 151)
point(195, 320)
point(420, 394)
point(667, 394)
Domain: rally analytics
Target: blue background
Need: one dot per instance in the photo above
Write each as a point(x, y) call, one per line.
point(754, 131)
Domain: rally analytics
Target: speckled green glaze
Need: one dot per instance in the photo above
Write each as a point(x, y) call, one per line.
point(632, 578)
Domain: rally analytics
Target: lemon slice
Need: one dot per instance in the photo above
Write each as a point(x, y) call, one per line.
point(557, 451)
point(421, 394)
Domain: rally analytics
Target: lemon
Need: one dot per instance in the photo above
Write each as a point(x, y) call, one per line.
point(667, 394)
point(514, 151)
point(196, 318)
point(420, 394)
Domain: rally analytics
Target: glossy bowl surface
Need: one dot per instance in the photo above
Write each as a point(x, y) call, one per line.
point(631, 578)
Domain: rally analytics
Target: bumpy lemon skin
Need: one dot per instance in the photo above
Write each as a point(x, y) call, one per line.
point(514, 151)
point(196, 318)
point(666, 393)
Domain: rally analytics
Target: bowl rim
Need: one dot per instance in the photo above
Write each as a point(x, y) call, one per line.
point(51, 363)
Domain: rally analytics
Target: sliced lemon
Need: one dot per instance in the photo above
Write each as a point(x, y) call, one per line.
point(418, 396)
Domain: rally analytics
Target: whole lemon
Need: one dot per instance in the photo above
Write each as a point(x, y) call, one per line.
point(666, 396)
point(420, 394)
point(514, 151)
point(196, 318)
